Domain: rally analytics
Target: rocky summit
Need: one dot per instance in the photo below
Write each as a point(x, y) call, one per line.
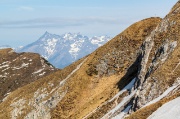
point(135, 75)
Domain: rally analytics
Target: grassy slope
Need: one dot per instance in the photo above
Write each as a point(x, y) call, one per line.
point(27, 92)
point(86, 92)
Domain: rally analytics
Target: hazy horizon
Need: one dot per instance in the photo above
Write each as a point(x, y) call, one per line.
point(23, 22)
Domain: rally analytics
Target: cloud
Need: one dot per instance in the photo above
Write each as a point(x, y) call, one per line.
point(26, 8)
point(60, 22)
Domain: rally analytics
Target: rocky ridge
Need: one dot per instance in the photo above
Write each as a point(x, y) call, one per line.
point(17, 70)
point(131, 76)
point(104, 62)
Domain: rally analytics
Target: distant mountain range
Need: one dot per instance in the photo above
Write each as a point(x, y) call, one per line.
point(136, 75)
point(62, 50)
point(4, 46)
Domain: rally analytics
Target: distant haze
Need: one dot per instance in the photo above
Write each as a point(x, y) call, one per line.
point(23, 21)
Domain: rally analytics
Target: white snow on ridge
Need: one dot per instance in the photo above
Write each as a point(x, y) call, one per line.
point(62, 50)
point(38, 71)
point(42, 73)
point(3, 66)
point(50, 47)
point(163, 95)
point(75, 48)
point(170, 110)
point(1, 76)
point(99, 40)
point(22, 66)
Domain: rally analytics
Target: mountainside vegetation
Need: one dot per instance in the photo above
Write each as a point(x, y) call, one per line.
point(131, 76)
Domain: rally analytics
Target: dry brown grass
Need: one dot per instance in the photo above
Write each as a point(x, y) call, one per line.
point(84, 91)
point(19, 77)
point(122, 49)
point(27, 92)
point(88, 92)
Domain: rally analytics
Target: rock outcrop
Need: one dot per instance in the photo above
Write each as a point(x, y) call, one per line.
point(130, 77)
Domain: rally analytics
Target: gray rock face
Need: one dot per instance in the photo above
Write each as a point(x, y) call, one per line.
point(148, 87)
point(155, 56)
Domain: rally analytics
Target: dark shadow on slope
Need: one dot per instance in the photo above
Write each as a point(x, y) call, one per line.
point(130, 74)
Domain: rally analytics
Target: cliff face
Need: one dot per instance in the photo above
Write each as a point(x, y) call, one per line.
point(131, 76)
point(159, 65)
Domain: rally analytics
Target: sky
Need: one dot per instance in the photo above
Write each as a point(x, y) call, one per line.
point(24, 21)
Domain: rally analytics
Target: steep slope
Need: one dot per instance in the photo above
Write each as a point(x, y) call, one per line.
point(156, 80)
point(36, 99)
point(65, 49)
point(152, 77)
point(104, 67)
point(79, 88)
point(17, 70)
point(163, 69)
point(131, 76)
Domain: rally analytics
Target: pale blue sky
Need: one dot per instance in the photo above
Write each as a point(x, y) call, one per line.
point(24, 21)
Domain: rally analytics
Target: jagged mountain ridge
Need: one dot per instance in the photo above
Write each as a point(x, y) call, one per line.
point(65, 49)
point(53, 89)
point(111, 82)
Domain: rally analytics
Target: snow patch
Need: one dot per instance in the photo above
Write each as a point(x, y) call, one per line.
point(50, 47)
point(125, 100)
point(1, 76)
point(22, 66)
point(170, 110)
point(6, 96)
point(127, 87)
point(5, 69)
point(123, 113)
point(164, 94)
point(38, 71)
point(99, 40)
point(3, 66)
point(42, 74)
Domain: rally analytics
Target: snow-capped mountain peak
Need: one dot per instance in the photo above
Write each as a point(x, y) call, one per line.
point(62, 50)
point(47, 36)
point(99, 40)
point(72, 36)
